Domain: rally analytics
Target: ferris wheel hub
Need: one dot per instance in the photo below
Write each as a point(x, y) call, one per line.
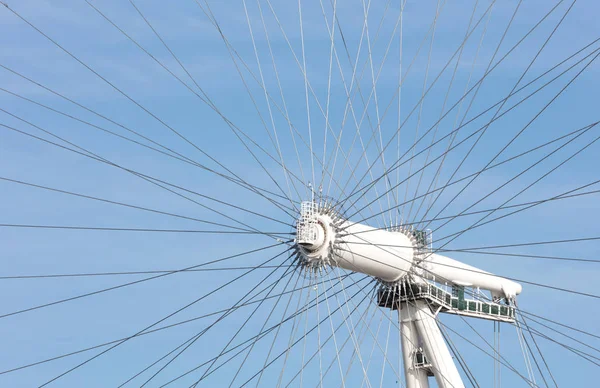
point(316, 237)
point(316, 231)
point(324, 237)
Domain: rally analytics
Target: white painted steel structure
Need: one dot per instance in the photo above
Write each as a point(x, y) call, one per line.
point(397, 259)
point(447, 269)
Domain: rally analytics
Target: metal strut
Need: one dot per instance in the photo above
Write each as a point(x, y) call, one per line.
point(424, 349)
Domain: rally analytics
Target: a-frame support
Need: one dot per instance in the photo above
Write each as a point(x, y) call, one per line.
point(424, 349)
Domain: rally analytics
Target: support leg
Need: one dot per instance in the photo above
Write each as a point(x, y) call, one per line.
point(415, 377)
point(436, 351)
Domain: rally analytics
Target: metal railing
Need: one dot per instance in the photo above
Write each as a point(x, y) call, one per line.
point(306, 228)
point(455, 304)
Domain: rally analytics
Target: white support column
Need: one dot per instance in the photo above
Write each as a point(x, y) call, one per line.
point(415, 377)
point(436, 351)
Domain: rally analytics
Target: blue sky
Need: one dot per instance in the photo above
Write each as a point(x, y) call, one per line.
point(66, 327)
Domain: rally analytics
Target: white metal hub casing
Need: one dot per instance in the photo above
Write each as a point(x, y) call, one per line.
point(324, 239)
point(316, 237)
point(385, 255)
